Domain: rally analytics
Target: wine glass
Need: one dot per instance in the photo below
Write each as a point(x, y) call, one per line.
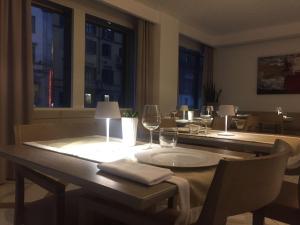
point(236, 109)
point(151, 120)
point(174, 113)
point(279, 110)
point(206, 116)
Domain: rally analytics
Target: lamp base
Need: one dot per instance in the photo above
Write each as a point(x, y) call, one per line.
point(226, 134)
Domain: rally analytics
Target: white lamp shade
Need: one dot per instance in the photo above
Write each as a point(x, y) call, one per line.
point(226, 110)
point(184, 108)
point(106, 110)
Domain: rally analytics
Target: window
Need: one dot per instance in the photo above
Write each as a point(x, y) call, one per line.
point(33, 52)
point(106, 50)
point(109, 70)
point(90, 29)
point(51, 54)
point(190, 78)
point(33, 24)
point(91, 47)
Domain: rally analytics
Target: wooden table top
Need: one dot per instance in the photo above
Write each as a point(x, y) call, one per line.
point(240, 141)
point(86, 174)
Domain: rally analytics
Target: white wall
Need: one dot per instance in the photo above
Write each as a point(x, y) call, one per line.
point(235, 71)
point(168, 70)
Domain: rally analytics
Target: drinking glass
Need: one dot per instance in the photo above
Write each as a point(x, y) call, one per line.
point(206, 117)
point(168, 137)
point(151, 120)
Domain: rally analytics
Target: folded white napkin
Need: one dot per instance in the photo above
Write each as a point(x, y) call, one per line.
point(142, 173)
point(151, 175)
point(184, 200)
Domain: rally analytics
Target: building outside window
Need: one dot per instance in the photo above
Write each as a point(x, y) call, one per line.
point(33, 52)
point(190, 78)
point(33, 24)
point(91, 47)
point(111, 63)
point(106, 50)
point(51, 55)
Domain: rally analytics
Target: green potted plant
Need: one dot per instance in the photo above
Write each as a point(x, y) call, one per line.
point(129, 127)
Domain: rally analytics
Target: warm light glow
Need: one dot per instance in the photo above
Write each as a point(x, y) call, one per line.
point(93, 148)
point(50, 81)
point(101, 151)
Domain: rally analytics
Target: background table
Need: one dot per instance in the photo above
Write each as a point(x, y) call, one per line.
point(240, 141)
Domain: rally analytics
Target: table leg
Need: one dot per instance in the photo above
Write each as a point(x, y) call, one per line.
point(60, 208)
point(258, 218)
point(19, 197)
point(49, 184)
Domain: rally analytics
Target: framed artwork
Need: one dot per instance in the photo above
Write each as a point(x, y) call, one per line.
point(278, 74)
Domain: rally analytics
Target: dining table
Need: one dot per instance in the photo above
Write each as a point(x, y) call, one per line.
point(257, 143)
point(76, 161)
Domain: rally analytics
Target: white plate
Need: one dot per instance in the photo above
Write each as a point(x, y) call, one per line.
point(242, 115)
point(182, 121)
point(179, 157)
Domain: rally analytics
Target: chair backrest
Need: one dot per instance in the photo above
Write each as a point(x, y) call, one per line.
point(280, 146)
point(243, 186)
point(272, 118)
point(293, 165)
point(252, 123)
point(219, 123)
point(168, 123)
point(49, 131)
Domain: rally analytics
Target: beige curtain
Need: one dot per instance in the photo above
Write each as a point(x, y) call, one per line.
point(16, 79)
point(145, 77)
point(208, 65)
point(144, 92)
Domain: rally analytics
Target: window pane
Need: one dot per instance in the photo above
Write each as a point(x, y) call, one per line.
point(190, 78)
point(107, 67)
point(51, 57)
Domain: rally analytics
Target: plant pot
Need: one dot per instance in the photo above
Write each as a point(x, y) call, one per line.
point(129, 130)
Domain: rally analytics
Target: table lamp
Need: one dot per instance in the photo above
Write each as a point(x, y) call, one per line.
point(107, 110)
point(184, 108)
point(226, 110)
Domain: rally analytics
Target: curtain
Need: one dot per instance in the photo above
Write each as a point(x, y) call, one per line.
point(145, 75)
point(207, 65)
point(16, 72)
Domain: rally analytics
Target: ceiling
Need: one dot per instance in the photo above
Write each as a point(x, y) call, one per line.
point(226, 17)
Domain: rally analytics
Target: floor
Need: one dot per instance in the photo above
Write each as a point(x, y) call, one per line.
point(34, 192)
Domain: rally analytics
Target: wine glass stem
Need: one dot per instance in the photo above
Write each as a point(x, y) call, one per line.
point(151, 140)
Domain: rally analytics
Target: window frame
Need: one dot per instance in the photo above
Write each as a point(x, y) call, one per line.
point(68, 43)
point(129, 81)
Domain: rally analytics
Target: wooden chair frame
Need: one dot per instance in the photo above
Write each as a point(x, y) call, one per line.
point(45, 182)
